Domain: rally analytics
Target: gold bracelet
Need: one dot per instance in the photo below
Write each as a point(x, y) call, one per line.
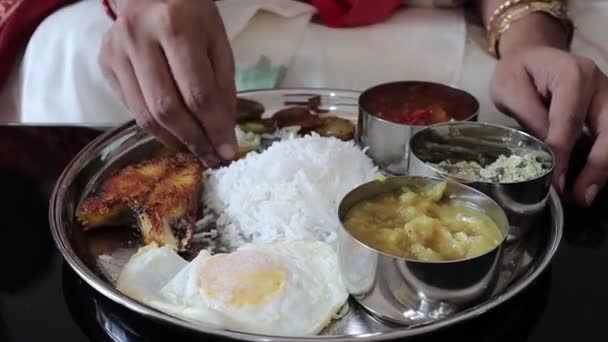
point(501, 10)
point(512, 10)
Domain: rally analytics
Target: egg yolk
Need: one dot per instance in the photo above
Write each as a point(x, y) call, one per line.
point(242, 279)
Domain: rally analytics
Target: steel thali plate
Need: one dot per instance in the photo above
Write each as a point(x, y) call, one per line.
point(97, 257)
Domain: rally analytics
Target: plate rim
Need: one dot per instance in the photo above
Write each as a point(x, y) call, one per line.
point(61, 239)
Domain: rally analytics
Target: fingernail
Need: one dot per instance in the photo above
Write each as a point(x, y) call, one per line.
point(591, 193)
point(226, 151)
point(562, 183)
point(210, 161)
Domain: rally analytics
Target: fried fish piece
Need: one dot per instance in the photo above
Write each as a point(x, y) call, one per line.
point(168, 213)
point(162, 194)
point(126, 187)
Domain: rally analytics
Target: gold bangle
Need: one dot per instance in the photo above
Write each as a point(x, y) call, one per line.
point(501, 10)
point(512, 10)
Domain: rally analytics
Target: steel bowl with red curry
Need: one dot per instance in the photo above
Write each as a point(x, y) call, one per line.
point(416, 103)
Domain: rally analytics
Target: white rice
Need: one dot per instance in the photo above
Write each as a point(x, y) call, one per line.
point(290, 191)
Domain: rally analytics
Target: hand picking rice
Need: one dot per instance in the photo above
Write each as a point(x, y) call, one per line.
point(290, 191)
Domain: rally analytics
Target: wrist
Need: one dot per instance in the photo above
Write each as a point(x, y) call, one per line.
point(536, 29)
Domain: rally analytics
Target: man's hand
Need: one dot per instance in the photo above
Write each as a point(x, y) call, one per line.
point(554, 93)
point(171, 63)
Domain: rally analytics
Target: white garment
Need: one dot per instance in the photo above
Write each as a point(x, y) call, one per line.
point(264, 27)
point(66, 86)
point(413, 44)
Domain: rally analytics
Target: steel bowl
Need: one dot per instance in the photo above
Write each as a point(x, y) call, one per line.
point(386, 141)
point(524, 202)
point(413, 292)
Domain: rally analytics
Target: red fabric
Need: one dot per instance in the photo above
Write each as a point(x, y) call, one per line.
point(18, 20)
point(348, 13)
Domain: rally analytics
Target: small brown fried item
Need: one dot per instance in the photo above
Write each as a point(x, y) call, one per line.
point(337, 127)
point(314, 103)
point(162, 192)
point(297, 116)
point(258, 127)
point(248, 110)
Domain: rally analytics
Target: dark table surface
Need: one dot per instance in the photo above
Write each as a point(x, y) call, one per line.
point(41, 298)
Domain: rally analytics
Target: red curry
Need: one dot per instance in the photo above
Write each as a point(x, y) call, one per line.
point(415, 116)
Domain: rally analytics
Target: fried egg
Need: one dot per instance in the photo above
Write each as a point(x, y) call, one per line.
point(287, 288)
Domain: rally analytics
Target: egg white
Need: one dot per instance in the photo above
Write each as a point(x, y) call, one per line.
point(149, 270)
point(304, 292)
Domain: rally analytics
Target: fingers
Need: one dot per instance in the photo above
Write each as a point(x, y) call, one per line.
point(136, 103)
point(165, 102)
point(110, 76)
point(165, 72)
point(593, 177)
point(515, 95)
point(107, 52)
point(222, 62)
point(578, 92)
point(567, 113)
point(195, 79)
point(119, 73)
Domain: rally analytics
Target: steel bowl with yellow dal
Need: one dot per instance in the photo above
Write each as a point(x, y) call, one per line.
point(420, 223)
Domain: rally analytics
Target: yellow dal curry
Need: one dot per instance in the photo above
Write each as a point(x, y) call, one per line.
point(420, 226)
